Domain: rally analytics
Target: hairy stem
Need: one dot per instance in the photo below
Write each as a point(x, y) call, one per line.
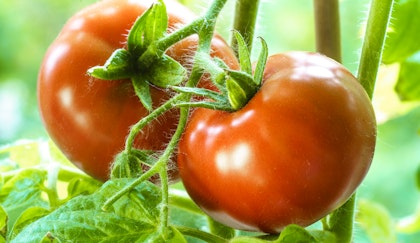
point(327, 26)
point(373, 43)
point(244, 22)
point(341, 221)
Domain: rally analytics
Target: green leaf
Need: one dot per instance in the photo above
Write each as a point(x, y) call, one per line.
point(132, 218)
point(262, 60)
point(246, 239)
point(219, 229)
point(22, 191)
point(166, 72)
point(3, 223)
point(49, 238)
point(29, 216)
point(409, 224)
point(403, 35)
point(81, 186)
point(376, 222)
point(243, 53)
point(408, 84)
point(142, 89)
point(118, 66)
point(418, 178)
point(295, 233)
point(21, 154)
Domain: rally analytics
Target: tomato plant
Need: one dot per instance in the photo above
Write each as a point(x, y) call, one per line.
point(89, 119)
point(294, 153)
point(271, 147)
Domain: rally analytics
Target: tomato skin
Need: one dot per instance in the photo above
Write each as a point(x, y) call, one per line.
point(295, 152)
point(89, 119)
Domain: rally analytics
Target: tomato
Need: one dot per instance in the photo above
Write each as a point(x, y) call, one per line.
point(295, 152)
point(89, 119)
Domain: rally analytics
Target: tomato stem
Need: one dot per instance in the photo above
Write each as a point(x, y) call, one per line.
point(341, 221)
point(245, 19)
point(377, 24)
point(327, 26)
point(206, 237)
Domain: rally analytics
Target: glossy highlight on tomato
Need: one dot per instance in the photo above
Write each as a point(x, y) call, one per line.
point(88, 118)
point(294, 153)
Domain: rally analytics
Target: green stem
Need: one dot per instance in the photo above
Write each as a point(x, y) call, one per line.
point(206, 237)
point(327, 26)
point(136, 128)
point(341, 221)
point(206, 26)
point(149, 173)
point(379, 16)
point(244, 22)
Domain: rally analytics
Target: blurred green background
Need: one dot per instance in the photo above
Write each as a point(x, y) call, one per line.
point(28, 27)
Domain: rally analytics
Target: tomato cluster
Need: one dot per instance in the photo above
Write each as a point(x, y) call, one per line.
point(294, 153)
point(88, 118)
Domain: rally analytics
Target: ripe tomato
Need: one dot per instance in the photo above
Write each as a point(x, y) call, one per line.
point(295, 152)
point(89, 119)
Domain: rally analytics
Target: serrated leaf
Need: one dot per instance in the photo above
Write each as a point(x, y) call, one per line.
point(29, 216)
point(81, 186)
point(262, 60)
point(408, 84)
point(82, 219)
point(166, 72)
point(376, 222)
point(403, 35)
point(142, 90)
point(22, 191)
point(118, 66)
point(243, 54)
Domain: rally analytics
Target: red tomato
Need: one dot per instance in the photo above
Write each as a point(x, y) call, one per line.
point(295, 152)
point(89, 119)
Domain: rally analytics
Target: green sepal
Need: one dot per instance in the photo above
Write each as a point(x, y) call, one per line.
point(149, 27)
point(118, 66)
point(240, 88)
point(262, 60)
point(142, 89)
point(166, 72)
point(243, 53)
point(215, 96)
